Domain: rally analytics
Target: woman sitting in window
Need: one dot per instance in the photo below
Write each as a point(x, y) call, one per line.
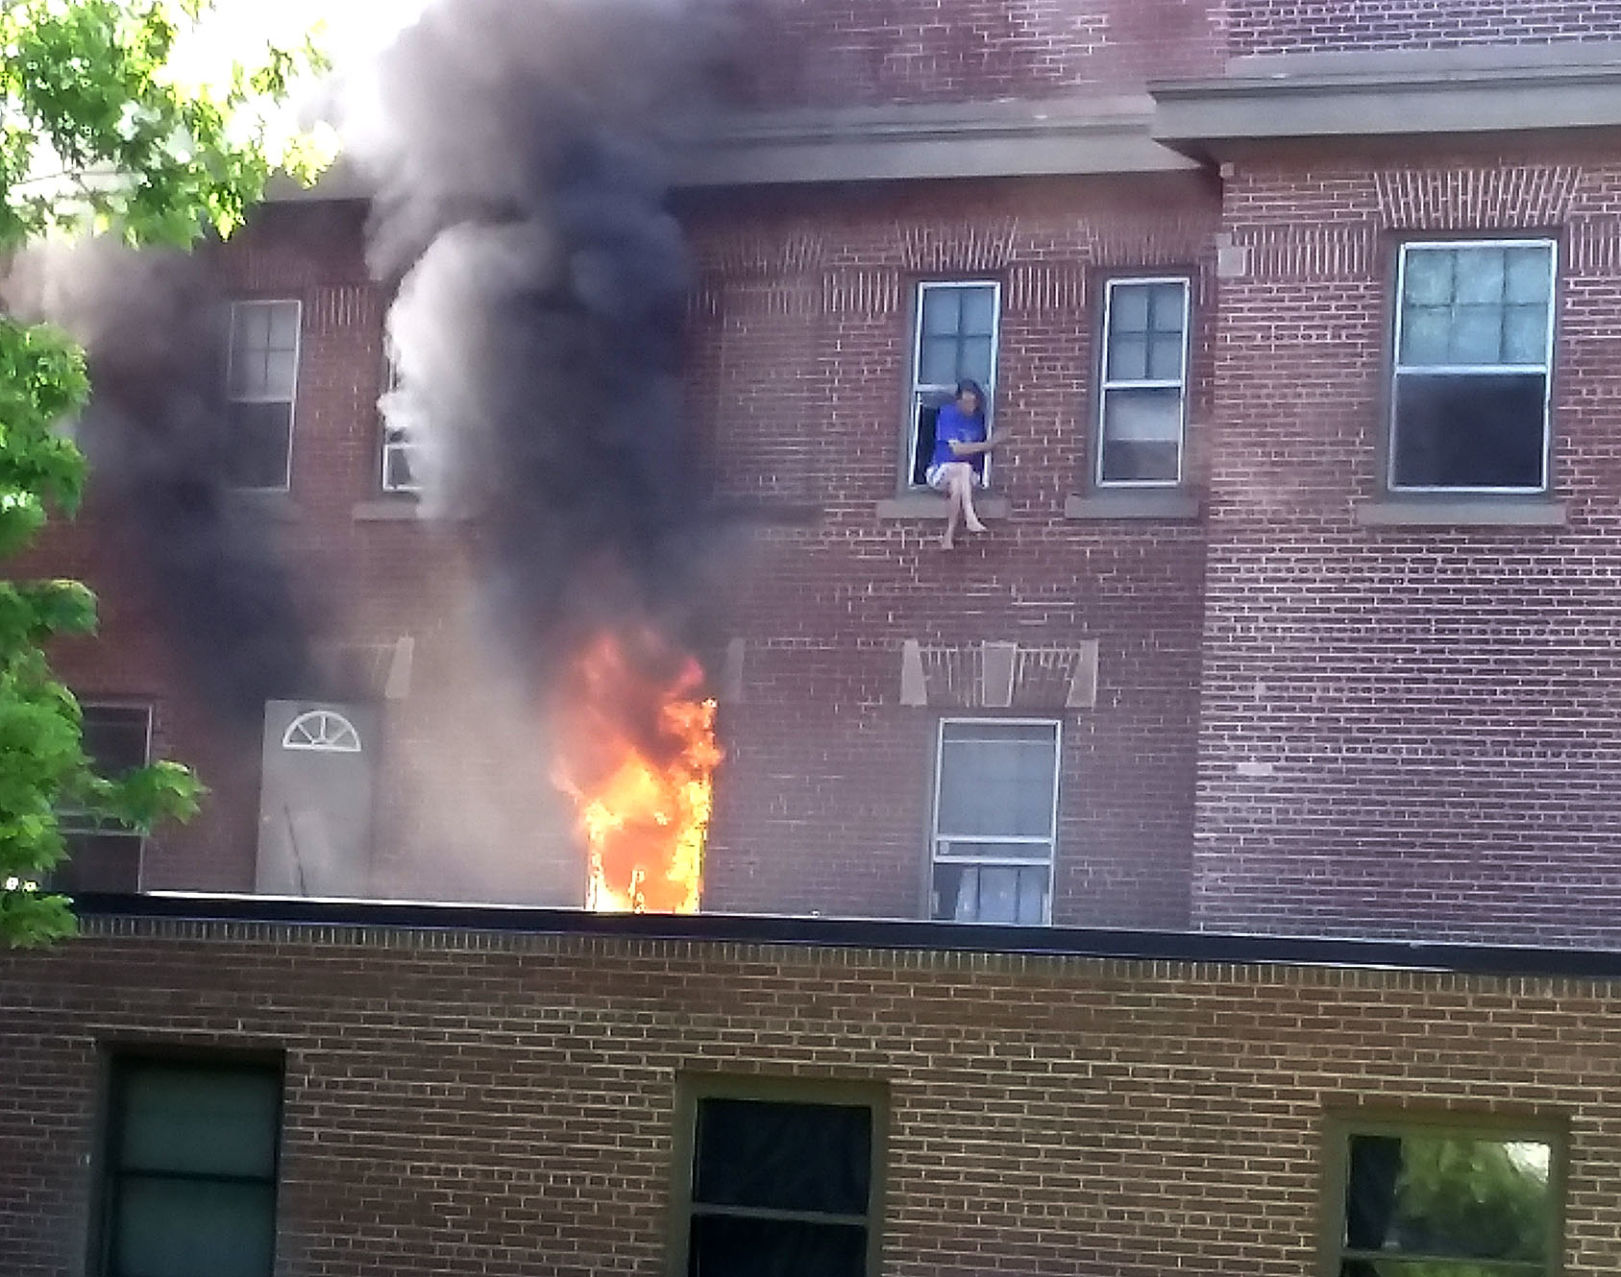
point(960, 444)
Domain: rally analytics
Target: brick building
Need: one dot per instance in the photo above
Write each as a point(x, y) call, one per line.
point(1297, 608)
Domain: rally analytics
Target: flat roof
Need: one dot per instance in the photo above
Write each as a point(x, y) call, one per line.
point(862, 933)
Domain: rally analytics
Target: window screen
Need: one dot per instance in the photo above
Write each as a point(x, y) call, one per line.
point(955, 340)
point(191, 1170)
point(261, 379)
point(995, 814)
point(1143, 401)
point(780, 1189)
point(1473, 348)
point(103, 855)
point(1445, 1204)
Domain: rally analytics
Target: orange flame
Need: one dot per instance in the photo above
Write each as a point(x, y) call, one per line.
point(637, 754)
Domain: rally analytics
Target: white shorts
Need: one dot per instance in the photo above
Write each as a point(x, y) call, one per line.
point(935, 475)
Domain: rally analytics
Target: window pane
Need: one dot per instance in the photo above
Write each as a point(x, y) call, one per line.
point(1427, 277)
point(199, 1120)
point(1434, 1195)
point(926, 412)
point(726, 1247)
point(1525, 334)
point(1142, 433)
point(997, 786)
point(99, 862)
point(191, 1228)
point(279, 369)
point(115, 738)
point(260, 435)
point(1426, 334)
point(1480, 276)
point(398, 475)
point(1435, 1268)
point(1167, 304)
point(805, 1157)
point(942, 309)
point(1127, 357)
point(283, 331)
point(975, 361)
point(1477, 335)
point(978, 311)
point(939, 364)
point(1010, 894)
point(1128, 309)
point(1529, 274)
point(1483, 431)
point(1165, 357)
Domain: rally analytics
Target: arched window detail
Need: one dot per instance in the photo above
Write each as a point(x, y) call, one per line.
point(323, 731)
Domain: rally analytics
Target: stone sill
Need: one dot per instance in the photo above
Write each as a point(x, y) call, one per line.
point(1528, 512)
point(272, 503)
point(387, 509)
point(931, 505)
point(1143, 503)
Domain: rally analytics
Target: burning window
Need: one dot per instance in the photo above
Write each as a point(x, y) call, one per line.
point(190, 1182)
point(104, 855)
point(1474, 347)
point(781, 1183)
point(1143, 400)
point(955, 339)
point(261, 379)
point(995, 820)
point(1445, 1203)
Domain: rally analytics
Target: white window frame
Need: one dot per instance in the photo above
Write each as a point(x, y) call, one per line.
point(402, 444)
point(237, 307)
point(918, 389)
point(66, 822)
point(333, 733)
point(1180, 384)
point(1545, 368)
point(1013, 858)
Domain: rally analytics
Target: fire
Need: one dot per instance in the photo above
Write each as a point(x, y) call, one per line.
point(637, 754)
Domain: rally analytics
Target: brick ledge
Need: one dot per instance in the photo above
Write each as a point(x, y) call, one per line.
point(930, 505)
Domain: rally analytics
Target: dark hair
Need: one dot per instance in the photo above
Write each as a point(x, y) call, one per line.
point(967, 386)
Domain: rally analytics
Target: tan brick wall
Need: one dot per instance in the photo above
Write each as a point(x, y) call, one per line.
point(502, 1104)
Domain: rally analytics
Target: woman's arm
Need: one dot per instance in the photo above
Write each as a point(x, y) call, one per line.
point(960, 449)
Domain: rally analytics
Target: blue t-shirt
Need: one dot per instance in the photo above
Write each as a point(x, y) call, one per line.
point(952, 426)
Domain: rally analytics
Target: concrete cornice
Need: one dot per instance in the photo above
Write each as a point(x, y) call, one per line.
point(1452, 93)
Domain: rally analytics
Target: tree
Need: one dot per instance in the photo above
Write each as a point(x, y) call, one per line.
point(100, 134)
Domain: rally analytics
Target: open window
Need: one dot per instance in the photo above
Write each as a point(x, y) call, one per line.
point(1142, 405)
point(955, 338)
point(1473, 355)
point(995, 820)
point(103, 854)
point(261, 384)
point(401, 472)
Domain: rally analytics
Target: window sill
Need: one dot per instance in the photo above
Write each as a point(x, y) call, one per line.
point(931, 505)
point(387, 509)
point(1462, 512)
point(273, 503)
point(1163, 503)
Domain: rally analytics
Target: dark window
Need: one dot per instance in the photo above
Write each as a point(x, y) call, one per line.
point(400, 469)
point(190, 1186)
point(995, 810)
point(780, 1189)
point(1473, 346)
point(104, 855)
point(1144, 390)
point(261, 378)
point(1446, 1204)
point(955, 341)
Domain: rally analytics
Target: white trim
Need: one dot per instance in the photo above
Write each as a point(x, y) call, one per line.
point(1012, 859)
point(291, 400)
point(331, 733)
point(919, 388)
point(1544, 370)
point(1105, 385)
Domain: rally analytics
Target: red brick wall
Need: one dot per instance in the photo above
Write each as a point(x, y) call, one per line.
point(1404, 730)
point(505, 1104)
point(1307, 26)
point(824, 800)
point(862, 52)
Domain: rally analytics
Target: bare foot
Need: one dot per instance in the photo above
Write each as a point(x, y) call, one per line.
point(975, 526)
point(945, 543)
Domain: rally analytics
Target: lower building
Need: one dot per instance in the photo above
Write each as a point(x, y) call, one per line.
point(246, 1088)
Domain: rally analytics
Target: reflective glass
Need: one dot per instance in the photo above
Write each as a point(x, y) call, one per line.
point(1128, 308)
point(199, 1121)
point(1425, 335)
point(975, 360)
point(783, 1156)
point(997, 787)
point(1168, 307)
point(1479, 276)
point(1529, 274)
point(1525, 334)
point(978, 315)
point(1128, 357)
point(1427, 277)
point(942, 308)
point(191, 1228)
point(1477, 335)
point(1165, 357)
point(939, 362)
point(725, 1246)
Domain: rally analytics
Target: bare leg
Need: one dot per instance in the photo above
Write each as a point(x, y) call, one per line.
point(953, 509)
point(962, 487)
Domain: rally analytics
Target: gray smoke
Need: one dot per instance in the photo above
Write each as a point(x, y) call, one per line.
point(542, 291)
point(152, 327)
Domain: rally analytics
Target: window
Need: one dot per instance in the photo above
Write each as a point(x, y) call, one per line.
point(190, 1183)
point(260, 379)
point(1438, 1201)
point(1143, 401)
point(995, 820)
point(955, 339)
point(104, 855)
point(1474, 345)
point(322, 731)
point(400, 470)
point(781, 1180)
